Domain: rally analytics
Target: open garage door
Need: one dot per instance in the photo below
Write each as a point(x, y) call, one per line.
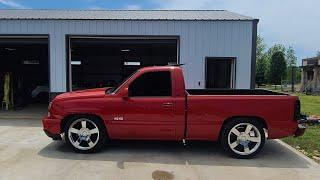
point(24, 63)
point(105, 62)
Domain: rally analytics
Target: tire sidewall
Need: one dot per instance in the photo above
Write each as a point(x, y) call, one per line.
point(102, 134)
point(225, 133)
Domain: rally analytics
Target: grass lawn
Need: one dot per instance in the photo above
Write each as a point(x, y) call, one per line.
point(309, 143)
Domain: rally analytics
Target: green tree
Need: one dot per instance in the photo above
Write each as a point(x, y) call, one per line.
point(261, 61)
point(291, 57)
point(276, 48)
point(261, 70)
point(261, 47)
point(291, 62)
point(278, 67)
point(269, 54)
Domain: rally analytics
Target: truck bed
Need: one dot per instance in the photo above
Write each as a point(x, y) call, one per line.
point(232, 92)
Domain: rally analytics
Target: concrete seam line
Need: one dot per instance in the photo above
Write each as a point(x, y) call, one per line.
point(20, 117)
point(312, 162)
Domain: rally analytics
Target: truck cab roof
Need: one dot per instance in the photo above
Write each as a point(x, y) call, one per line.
point(159, 68)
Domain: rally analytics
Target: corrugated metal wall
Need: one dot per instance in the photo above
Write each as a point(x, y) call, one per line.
point(198, 39)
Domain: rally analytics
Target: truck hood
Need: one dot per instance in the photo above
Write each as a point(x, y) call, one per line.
point(83, 94)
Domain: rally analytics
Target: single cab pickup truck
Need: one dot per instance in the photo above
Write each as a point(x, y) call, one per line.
point(153, 104)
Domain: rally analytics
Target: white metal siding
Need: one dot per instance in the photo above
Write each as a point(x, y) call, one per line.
point(198, 39)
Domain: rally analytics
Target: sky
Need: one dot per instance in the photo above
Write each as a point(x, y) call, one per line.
point(293, 23)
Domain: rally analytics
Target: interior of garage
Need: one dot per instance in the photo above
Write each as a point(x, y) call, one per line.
point(105, 62)
point(220, 73)
point(24, 77)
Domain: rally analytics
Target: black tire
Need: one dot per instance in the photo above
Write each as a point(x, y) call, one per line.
point(101, 139)
point(237, 123)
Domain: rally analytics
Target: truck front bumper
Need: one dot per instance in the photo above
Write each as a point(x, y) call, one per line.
point(53, 136)
point(52, 128)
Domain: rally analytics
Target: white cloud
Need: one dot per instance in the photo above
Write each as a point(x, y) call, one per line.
point(12, 4)
point(290, 22)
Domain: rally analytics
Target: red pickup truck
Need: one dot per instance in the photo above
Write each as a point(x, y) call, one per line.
point(153, 104)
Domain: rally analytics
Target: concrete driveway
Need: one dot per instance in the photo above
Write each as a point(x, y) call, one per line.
point(26, 153)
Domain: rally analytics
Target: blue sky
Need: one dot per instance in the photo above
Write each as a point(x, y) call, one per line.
point(289, 22)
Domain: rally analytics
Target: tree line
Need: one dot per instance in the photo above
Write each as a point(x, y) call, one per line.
point(275, 64)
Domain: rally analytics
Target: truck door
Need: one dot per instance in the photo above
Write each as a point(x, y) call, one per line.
point(148, 112)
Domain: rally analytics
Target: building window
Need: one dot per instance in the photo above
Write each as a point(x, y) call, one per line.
point(220, 73)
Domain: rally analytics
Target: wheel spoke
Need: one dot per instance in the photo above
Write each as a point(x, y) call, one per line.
point(234, 144)
point(90, 143)
point(254, 139)
point(246, 149)
point(84, 124)
point(77, 142)
point(248, 129)
point(93, 131)
point(74, 130)
point(235, 131)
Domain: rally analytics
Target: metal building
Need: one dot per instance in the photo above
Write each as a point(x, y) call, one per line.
point(64, 50)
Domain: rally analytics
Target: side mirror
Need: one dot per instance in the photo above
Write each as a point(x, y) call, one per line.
point(125, 93)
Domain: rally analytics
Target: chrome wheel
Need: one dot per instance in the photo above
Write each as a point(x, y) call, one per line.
point(244, 139)
point(83, 134)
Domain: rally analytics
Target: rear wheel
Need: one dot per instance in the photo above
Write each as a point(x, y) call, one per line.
point(243, 138)
point(85, 134)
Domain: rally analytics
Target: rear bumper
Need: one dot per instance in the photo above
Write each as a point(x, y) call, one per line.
point(51, 127)
point(300, 130)
point(302, 124)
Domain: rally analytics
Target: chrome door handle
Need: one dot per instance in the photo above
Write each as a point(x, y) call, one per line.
point(167, 104)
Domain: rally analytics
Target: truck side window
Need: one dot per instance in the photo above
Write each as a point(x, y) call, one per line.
point(152, 84)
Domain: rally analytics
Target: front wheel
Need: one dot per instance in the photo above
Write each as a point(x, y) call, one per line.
point(243, 138)
point(85, 134)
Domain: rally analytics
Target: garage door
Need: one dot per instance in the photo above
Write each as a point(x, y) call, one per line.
point(24, 75)
point(105, 62)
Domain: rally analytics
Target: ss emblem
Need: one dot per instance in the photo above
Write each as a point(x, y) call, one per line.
point(118, 118)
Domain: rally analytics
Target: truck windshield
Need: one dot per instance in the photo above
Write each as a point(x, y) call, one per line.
point(114, 89)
